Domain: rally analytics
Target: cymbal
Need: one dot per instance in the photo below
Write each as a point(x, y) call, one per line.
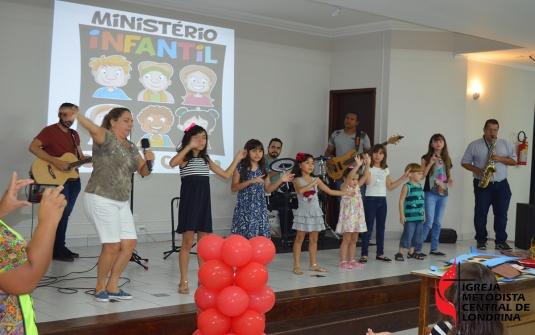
point(282, 164)
point(322, 158)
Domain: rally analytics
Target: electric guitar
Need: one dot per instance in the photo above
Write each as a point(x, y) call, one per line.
point(343, 162)
point(44, 172)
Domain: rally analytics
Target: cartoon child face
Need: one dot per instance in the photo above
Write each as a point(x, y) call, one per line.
point(111, 76)
point(198, 82)
point(155, 81)
point(197, 120)
point(156, 123)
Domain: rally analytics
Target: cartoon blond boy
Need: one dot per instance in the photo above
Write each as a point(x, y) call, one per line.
point(111, 72)
point(155, 77)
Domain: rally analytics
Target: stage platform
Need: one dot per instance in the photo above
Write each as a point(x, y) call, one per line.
point(156, 297)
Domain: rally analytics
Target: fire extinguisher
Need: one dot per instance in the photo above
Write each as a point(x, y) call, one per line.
point(522, 149)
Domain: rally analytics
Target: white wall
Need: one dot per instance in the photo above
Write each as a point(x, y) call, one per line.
point(281, 90)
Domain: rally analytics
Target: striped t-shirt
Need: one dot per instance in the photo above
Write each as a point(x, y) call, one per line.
point(196, 167)
point(414, 203)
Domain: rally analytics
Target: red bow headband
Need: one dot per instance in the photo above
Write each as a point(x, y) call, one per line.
point(190, 126)
point(300, 157)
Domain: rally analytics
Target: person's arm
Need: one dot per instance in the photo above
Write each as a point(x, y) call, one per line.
point(330, 192)
point(402, 196)
point(226, 174)
point(81, 153)
point(392, 185)
point(237, 186)
point(302, 189)
point(98, 134)
point(269, 187)
point(467, 161)
point(272, 174)
point(36, 148)
point(24, 278)
point(427, 167)
point(142, 167)
point(362, 179)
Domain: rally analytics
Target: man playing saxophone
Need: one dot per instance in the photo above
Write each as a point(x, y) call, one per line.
point(488, 159)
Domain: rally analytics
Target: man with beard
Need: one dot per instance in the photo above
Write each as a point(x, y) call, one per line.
point(53, 142)
point(273, 152)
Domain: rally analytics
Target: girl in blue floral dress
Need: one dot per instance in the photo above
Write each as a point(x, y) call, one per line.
point(249, 180)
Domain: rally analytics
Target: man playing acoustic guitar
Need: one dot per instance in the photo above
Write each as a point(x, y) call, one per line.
point(54, 141)
point(344, 140)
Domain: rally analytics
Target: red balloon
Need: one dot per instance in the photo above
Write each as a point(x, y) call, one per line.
point(213, 322)
point(261, 300)
point(216, 275)
point(236, 250)
point(209, 247)
point(232, 301)
point(263, 250)
point(199, 312)
point(248, 323)
point(197, 332)
point(205, 298)
point(251, 276)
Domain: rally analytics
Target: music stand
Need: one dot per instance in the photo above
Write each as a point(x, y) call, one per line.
point(284, 165)
point(322, 196)
point(174, 247)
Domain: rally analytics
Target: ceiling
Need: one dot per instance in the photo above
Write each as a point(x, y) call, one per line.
point(506, 24)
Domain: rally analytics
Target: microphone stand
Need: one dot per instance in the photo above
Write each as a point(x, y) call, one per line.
point(135, 257)
point(323, 196)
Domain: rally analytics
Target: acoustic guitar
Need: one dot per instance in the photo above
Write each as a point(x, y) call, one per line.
point(44, 172)
point(343, 162)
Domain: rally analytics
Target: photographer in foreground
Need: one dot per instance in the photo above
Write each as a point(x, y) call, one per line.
point(23, 265)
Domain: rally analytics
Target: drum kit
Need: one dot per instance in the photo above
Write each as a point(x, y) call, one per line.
point(285, 165)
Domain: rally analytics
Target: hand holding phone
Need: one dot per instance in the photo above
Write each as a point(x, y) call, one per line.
point(36, 191)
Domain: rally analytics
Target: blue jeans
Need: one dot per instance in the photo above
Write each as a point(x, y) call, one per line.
point(498, 195)
point(435, 205)
point(70, 190)
point(375, 208)
point(412, 235)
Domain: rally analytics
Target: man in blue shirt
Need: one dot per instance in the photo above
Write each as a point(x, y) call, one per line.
point(497, 193)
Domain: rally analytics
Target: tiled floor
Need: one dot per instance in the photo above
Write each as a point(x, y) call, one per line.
point(157, 286)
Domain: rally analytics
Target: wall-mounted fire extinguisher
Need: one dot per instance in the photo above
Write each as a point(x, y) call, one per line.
point(522, 149)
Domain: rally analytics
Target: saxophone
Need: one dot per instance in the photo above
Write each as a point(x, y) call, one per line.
point(489, 167)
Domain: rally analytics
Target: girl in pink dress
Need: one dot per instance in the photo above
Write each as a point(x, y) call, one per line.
point(351, 220)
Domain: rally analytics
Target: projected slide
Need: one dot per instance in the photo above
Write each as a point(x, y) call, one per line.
point(169, 73)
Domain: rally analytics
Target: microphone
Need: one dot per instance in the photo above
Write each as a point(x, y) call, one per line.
point(145, 144)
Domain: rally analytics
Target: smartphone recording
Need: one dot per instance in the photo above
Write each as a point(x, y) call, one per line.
point(36, 192)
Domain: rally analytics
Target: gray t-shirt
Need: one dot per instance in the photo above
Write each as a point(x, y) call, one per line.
point(344, 143)
point(113, 166)
point(477, 151)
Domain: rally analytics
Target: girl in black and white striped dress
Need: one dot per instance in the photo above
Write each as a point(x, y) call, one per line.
point(195, 211)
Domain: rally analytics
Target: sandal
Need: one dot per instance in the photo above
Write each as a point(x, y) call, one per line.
point(415, 256)
point(297, 270)
point(363, 260)
point(399, 257)
point(316, 267)
point(183, 287)
point(345, 265)
point(437, 253)
point(356, 264)
point(384, 259)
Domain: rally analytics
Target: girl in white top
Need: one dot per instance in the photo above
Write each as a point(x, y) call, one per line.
point(375, 207)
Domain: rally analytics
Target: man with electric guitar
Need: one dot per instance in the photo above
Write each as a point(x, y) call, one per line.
point(341, 143)
point(58, 152)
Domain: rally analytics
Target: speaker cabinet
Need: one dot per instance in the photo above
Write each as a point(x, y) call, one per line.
point(525, 225)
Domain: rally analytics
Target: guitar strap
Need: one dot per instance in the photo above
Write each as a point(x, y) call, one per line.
point(75, 146)
point(357, 139)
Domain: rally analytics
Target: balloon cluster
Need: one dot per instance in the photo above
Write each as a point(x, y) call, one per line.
point(233, 297)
